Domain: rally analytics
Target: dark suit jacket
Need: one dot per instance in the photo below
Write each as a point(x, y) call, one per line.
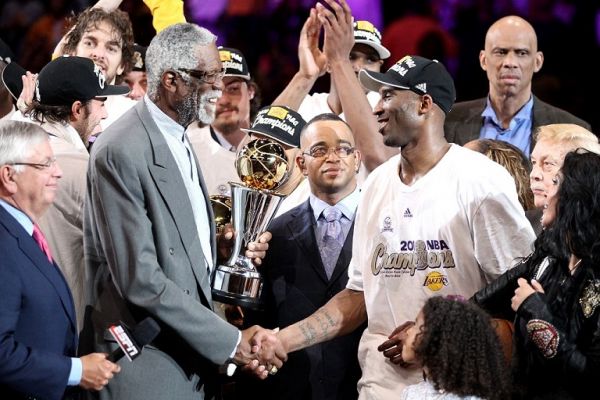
point(144, 258)
point(295, 287)
point(464, 122)
point(38, 332)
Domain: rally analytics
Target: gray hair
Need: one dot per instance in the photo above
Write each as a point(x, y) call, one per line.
point(17, 139)
point(172, 48)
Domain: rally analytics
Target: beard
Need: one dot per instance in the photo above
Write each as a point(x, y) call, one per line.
point(197, 107)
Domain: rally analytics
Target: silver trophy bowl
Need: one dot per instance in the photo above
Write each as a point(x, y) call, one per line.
point(237, 281)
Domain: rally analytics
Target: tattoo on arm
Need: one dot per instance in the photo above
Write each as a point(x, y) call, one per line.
point(325, 324)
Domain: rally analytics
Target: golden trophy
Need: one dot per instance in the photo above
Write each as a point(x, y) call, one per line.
point(262, 167)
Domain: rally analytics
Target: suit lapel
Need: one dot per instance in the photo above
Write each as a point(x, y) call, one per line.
point(302, 229)
point(168, 180)
point(51, 272)
point(471, 129)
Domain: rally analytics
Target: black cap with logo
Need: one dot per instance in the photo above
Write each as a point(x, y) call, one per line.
point(418, 74)
point(279, 123)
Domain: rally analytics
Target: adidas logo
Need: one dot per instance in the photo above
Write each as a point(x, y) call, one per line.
point(407, 213)
point(422, 87)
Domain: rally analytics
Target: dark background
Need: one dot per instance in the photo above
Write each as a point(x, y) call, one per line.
point(267, 33)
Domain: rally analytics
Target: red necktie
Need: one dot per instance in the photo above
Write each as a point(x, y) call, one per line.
point(39, 237)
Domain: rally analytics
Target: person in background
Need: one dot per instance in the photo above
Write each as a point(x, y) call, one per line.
point(136, 79)
point(510, 112)
point(475, 372)
point(552, 143)
point(38, 330)
point(7, 106)
point(511, 158)
point(552, 295)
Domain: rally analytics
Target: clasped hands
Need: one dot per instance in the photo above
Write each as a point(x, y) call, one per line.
point(260, 352)
point(392, 348)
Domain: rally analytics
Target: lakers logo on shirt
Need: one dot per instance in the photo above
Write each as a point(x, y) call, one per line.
point(435, 281)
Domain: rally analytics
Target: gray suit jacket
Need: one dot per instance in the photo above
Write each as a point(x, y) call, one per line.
point(464, 122)
point(143, 258)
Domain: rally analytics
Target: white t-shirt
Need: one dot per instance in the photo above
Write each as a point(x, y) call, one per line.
point(115, 107)
point(451, 232)
point(425, 391)
point(216, 162)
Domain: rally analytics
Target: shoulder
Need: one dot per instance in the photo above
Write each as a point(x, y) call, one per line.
point(544, 114)
point(280, 223)
point(466, 108)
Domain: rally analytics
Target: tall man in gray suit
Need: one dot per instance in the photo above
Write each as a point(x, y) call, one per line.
point(149, 238)
point(510, 112)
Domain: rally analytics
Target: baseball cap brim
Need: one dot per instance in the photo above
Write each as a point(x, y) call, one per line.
point(11, 78)
point(374, 80)
point(270, 135)
point(114, 90)
point(244, 77)
point(382, 51)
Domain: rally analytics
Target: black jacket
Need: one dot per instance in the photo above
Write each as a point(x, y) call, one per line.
point(556, 353)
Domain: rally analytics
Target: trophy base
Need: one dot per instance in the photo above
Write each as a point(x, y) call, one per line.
point(237, 286)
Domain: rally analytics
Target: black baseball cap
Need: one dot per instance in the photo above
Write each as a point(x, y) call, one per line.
point(234, 63)
point(279, 123)
point(67, 79)
point(139, 58)
point(11, 77)
point(418, 74)
point(366, 33)
point(6, 54)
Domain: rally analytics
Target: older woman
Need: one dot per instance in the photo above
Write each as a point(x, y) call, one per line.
point(554, 294)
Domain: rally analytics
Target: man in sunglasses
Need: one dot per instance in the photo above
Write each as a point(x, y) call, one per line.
point(151, 246)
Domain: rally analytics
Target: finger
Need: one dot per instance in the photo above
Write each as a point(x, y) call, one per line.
point(537, 286)
point(401, 328)
point(522, 282)
point(387, 344)
point(393, 352)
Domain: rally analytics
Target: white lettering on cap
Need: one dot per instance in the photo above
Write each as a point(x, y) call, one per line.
point(100, 75)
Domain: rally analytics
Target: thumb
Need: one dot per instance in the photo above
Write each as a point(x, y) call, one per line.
point(537, 286)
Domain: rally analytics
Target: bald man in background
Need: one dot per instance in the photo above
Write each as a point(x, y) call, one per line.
point(510, 112)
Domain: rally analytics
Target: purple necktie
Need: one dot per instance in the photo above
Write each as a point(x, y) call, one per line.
point(39, 237)
point(332, 241)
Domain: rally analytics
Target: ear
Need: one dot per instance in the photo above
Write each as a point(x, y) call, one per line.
point(77, 110)
point(301, 163)
point(539, 61)
point(482, 60)
point(120, 69)
point(358, 157)
point(7, 179)
point(169, 81)
point(426, 104)
point(251, 92)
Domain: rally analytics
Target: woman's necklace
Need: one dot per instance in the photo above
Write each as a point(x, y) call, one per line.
point(574, 267)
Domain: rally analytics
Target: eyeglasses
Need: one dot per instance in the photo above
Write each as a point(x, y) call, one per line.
point(321, 151)
point(49, 163)
point(204, 76)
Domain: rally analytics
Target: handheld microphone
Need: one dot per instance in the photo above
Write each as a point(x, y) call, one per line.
point(131, 343)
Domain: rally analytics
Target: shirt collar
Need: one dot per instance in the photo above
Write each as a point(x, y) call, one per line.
point(347, 205)
point(163, 121)
point(222, 141)
point(19, 215)
point(523, 114)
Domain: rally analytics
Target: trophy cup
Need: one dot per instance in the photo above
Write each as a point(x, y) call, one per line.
point(221, 206)
point(262, 167)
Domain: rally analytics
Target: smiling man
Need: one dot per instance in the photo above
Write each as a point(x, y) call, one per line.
point(511, 112)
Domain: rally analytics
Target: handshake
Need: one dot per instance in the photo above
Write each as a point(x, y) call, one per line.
point(260, 352)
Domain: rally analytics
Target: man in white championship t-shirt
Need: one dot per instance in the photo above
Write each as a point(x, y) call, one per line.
point(434, 220)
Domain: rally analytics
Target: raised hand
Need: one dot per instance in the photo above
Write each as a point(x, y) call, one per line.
point(339, 31)
point(97, 371)
point(313, 62)
point(392, 348)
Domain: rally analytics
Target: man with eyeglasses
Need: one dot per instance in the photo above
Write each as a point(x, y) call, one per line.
point(436, 219)
point(151, 247)
point(216, 144)
point(37, 315)
point(307, 264)
point(67, 100)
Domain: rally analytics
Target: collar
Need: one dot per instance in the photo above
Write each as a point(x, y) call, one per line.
point(222, 141)
point(523, 114)
point(347, 205)
point(165, 123)
point(19, 215)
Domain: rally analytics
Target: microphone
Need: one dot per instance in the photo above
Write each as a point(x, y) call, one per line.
point(131, 343)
